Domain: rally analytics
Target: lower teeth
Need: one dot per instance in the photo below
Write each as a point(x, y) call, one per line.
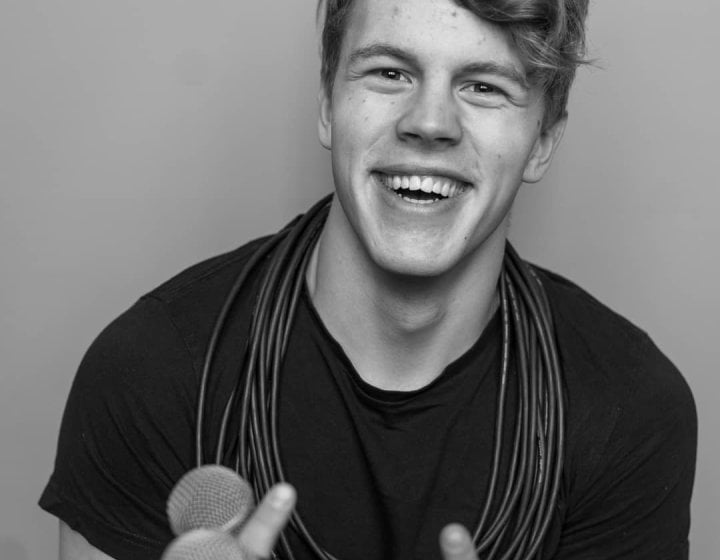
point(421, 200)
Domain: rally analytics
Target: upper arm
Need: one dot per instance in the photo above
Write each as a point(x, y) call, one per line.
point(73, 546)
point(125, 439)
point(634, 498)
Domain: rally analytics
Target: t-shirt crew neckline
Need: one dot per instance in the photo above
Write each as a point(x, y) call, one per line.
point(486, 342)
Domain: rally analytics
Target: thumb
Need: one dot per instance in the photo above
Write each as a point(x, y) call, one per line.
point(456, 543)
point(262, 529)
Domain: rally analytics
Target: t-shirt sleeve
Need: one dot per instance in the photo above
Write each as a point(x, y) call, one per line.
point(126, 435)
point(634, 495)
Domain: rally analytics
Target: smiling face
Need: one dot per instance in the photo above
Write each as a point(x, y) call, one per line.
point(432, 129)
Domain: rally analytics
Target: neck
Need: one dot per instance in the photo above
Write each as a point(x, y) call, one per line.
point(400, 331)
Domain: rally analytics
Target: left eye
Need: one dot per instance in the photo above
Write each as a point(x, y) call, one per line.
point(481, 87)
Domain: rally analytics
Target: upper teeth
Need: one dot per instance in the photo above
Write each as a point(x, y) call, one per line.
point(426, 183)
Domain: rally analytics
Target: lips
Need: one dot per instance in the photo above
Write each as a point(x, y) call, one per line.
point(423, 188)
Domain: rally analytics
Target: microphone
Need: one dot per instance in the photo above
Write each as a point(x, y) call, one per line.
point(205, 507)
point(209, 497)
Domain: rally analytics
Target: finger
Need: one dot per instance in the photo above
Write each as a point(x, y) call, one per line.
point(262, 529)
point(456, 543)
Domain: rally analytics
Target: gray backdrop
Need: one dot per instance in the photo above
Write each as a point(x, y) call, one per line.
point(141, 136)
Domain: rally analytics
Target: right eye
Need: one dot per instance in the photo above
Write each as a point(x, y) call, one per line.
point(391, 74)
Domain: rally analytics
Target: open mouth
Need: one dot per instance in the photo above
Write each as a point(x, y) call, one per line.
point(423, 189)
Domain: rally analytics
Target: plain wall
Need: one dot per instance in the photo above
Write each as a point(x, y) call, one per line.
point(139, 137)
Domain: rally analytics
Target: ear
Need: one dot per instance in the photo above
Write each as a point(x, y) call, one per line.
point(324, 119)
point(543, 150)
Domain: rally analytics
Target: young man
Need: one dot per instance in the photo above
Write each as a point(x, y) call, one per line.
point(435, 112)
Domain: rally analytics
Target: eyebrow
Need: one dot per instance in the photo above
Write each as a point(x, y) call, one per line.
point(507, 71)
point(382, 49)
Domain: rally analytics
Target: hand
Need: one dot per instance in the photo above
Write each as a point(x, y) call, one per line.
point(254, 540)
point(456, 543)
point(262, 529)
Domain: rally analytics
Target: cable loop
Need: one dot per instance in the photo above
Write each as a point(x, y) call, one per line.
point(512, 523)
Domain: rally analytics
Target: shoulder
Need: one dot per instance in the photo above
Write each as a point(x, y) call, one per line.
point(150, 358)
point(186, 306)
point(129, 423)
point(170, 322)
point(202, 287)
point(136, 387)
point(603, 349)
point(631, 418)
point(631, 433)
point(207, 276)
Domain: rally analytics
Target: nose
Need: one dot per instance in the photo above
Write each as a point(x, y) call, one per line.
point(431, 118)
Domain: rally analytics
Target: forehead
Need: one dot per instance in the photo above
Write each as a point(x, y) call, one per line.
point(436, 29)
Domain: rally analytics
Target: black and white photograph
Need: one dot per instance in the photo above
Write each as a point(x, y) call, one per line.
point(359, 280)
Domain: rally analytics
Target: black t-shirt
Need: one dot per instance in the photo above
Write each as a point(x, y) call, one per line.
point(378, 473)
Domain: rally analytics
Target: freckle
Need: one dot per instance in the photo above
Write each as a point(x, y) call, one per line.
point(396, 11)
point(454, 14)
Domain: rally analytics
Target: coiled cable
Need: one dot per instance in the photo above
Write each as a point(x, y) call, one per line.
point(514, 521)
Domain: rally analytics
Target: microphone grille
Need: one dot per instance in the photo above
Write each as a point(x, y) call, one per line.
point(208, 497)
point(204, 544)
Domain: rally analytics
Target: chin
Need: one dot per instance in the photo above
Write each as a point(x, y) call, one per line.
point(413, 264)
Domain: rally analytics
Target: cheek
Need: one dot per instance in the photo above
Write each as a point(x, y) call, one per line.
point(357, 105)
point(506, 153)
point(502, 133)
point(361, 126)
point(351, 116)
